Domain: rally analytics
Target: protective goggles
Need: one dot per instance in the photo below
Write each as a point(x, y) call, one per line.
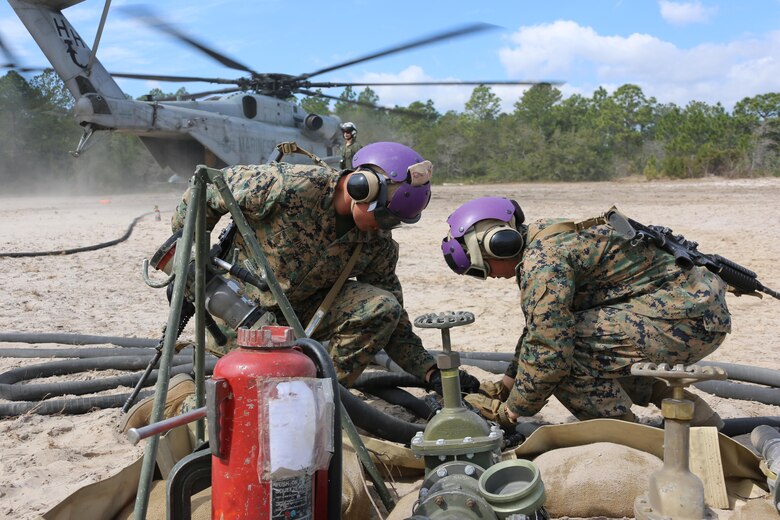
point(487, 239)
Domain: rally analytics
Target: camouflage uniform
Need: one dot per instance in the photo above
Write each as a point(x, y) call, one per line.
point(307, 245)
point(594, 305)
point(348, 151)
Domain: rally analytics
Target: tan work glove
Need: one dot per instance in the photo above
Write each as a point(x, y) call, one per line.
point(494, 390)
point(490, 409)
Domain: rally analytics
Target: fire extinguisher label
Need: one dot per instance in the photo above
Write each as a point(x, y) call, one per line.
point(291, 499)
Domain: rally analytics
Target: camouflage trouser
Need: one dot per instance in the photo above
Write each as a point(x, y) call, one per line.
point(609, 341)
point(360, 323)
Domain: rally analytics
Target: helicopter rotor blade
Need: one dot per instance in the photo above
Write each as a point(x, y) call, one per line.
point(16, 68)
point(431, 83)
point(420, 42)
point(13, 61)
point(145, 14)
point(176, 79)
point(8, 55)
point(396, 110)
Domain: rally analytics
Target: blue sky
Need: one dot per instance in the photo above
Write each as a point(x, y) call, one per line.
point(676, 51)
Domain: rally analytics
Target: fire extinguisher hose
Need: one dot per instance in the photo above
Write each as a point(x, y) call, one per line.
point(325, 369)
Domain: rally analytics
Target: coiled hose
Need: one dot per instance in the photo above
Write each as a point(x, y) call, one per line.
point(136, 355)
point(75, 339)
point(10, 390)
point(364, 415)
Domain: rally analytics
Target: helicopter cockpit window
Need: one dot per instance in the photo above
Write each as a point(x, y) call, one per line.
point(249, 103)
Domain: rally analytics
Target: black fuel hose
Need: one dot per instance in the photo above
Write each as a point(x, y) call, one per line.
point(66, 406)
point(79, 353)
point(81, 249)
point(736, 372)
point(371, 380)
point(388, 386)
point(743, 425)
point(10, 390)
point(489, 365)
point(315, 351)
point(377, 422)
point(487, 356)
point(75, 339)
point(383, 360)
point(757, 375)
point(401, 397)
point(494, 367)
point(745, 392)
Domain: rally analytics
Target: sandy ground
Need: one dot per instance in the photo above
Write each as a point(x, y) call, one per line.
point(46, 458)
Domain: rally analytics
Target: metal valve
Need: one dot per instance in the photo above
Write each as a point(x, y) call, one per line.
point(678, 376)
point(444, 321)
point(673, 491)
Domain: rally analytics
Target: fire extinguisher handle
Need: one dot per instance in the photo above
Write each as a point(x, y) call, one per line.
point(138, 434)
point(217, 392)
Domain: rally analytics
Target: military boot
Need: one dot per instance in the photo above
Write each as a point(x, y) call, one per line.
point(490, 409)
point(180, 387)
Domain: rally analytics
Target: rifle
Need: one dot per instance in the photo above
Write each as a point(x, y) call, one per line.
point(686, 254)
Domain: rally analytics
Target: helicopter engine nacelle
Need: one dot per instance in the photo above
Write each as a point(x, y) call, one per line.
point(326, 127)
point(313, 122)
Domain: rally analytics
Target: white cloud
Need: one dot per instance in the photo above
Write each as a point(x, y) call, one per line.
point(684, 13)
point(585, 59)
point(444, 98)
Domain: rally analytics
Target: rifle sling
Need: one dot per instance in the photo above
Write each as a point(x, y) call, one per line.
point(568, 225)
point(328, 301)
point(291, 147)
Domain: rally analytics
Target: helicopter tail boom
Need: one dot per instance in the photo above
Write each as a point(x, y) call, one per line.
point(67, 52)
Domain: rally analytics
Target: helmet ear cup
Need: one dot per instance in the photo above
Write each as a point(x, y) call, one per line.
point(363, 186)
point(502, 242)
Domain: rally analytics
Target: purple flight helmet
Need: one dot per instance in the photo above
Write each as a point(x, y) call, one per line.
point(461, 222)
point(408, 201)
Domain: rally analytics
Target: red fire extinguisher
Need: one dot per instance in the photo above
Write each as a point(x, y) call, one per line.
point(260, 430)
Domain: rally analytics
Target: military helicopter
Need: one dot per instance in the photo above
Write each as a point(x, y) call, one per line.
point(240, 124)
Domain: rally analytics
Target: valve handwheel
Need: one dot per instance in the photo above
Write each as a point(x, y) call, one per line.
point(444, 320)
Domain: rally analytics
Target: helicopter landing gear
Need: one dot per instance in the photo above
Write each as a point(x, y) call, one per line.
point(83, 141)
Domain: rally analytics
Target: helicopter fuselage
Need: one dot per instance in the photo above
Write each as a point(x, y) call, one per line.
point(240, 128)
point(237, 129)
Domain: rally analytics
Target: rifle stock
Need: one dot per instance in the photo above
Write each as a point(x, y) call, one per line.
point(687, 255)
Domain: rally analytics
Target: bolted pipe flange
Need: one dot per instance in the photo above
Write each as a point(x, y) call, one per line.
point(453, 492)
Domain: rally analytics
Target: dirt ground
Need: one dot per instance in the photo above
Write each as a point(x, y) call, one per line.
point(46, 458)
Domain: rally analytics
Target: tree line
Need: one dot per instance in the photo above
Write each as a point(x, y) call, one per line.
point(602, 137)
point(545, 138)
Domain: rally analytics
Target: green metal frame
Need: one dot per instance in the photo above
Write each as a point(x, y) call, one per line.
point(195, 233)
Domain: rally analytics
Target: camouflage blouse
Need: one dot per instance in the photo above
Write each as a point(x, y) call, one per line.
point(291, 209)
point(569, 272)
